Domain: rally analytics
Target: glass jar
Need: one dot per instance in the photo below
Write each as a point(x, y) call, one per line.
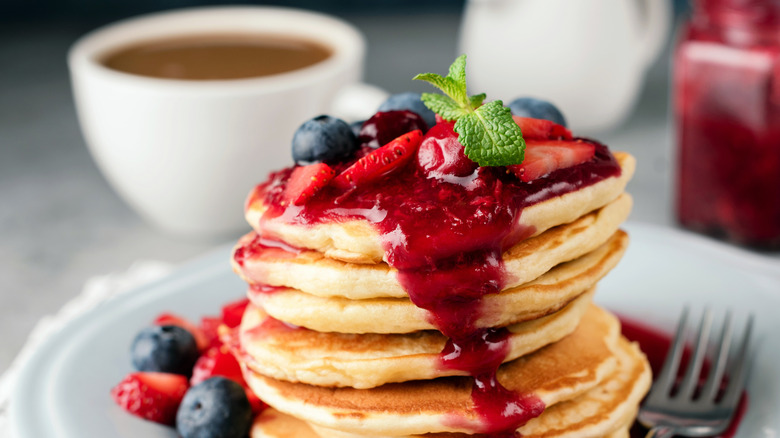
point(727, 109)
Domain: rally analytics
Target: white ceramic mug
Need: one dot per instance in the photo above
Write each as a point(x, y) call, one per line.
point(185, 153)
point(588, 57)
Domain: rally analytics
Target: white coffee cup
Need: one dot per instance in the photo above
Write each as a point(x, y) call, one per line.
point(185, 153)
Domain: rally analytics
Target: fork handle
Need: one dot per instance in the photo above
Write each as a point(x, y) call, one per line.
point(660, 432)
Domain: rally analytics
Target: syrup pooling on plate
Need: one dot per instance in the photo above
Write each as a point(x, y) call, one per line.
point(446, 239)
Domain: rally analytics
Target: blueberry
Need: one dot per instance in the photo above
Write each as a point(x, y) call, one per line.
point(356, 126)
point(214, 408)
point(411, 102)
point(166, 349)
point(536, 108)
point(323, 138)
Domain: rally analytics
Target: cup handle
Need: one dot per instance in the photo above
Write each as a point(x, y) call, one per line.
point(657, 14)
point(357, 101)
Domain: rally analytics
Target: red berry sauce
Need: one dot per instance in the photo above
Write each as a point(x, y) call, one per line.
point(446, 239)
point(262, 246)
point(385, 126)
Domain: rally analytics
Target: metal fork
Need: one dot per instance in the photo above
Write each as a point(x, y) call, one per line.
point(695, 410)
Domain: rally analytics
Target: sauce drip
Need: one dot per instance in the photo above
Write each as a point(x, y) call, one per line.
point(502, 410)
point(262, 246)
point(446, 240)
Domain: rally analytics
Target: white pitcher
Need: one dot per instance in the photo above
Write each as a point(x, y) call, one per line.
point(588, 57)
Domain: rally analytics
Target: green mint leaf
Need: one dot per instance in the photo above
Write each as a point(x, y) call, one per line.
point(444, 106)
point(488, 133)
point(490, 136)
point(437, 81)
point(476, 100)
point(453, 85)
point(457, 75)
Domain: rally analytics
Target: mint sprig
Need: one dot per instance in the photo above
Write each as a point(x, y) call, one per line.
point(488, 133)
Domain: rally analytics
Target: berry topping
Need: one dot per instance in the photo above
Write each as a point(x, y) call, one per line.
point(306, 181)
point(383, 127)
point(233, 312)
point(166, 349)
point(323, 138)
point(545, 156)
point(217, 361)
point(217, 407)
point(153, 396)
point(409, 101)
point(537, 109)
point(209, 325)
point(383, 161)
point(540, 129)
point(201, 339)
point(441, 154)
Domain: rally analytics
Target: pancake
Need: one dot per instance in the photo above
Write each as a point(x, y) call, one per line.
point(532, 300)
point(357, 241)
point(313, 273)
point(274, 424)
point(556, 373)
point(365, 361)
point(607, 410)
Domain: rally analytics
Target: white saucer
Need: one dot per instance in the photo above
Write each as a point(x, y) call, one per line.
point(63, 391)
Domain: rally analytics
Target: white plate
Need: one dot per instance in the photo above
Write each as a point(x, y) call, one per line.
point(63, 392)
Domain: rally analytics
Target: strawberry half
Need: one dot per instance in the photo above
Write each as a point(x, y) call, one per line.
point(540, 129)
point(306, 181)
point(218, 361)
point(201, 339)
point(210, 327)
point(233, 312)
point(152, 396)
point(384, 160)
point(545, 156)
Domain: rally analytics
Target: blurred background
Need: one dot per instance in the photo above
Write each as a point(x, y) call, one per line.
point(61, 223)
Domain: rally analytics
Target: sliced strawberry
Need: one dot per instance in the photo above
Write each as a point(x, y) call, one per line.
point(171, 319)
point(210, 327)
point(217, 361)
point(153, 396)
point(233, 312)
point(388, 158)
point(540, 129)
point(545, 156)
point(306, 181)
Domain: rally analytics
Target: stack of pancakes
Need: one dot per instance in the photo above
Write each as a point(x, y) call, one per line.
point(333, 343)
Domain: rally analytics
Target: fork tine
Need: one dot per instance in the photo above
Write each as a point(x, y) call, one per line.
point(738, 373)
point(668, 373)
point(691, 379)
point(712, 386)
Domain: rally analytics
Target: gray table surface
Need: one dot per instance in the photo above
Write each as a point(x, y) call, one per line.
point(60, 222)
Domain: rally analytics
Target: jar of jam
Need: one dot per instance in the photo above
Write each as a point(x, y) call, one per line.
point(727, 109)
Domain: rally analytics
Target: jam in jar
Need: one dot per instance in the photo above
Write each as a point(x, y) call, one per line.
point(727, 105)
